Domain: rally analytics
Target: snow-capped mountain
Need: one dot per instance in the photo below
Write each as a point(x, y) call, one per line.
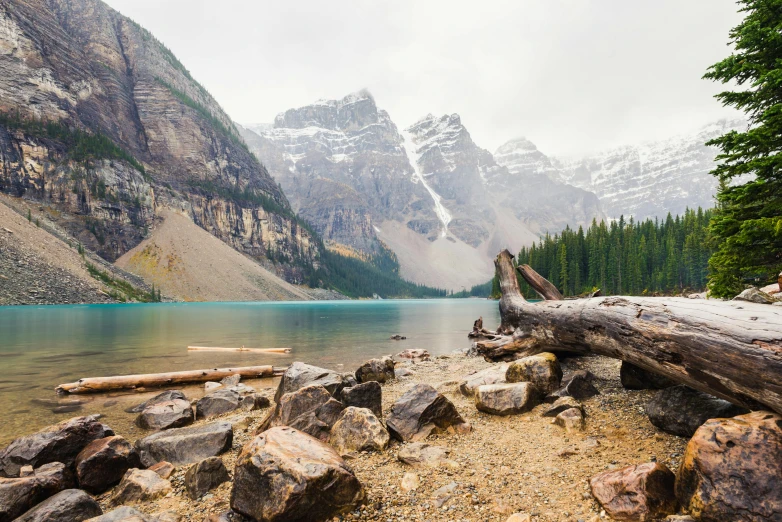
point(651, 179)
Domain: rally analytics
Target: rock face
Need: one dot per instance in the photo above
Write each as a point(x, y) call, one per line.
point(165, 415)
point(70, 505)
point(635, 378)
point(636, 493)
point(205, 475)
point(58, 443)
point(358, 429)
point(185, 445)
point(140, 485)
point(542, 371)
point(730, 470)
point(217, 403)
point(103, 463)
point(168, 395)
point(494, 375)
point(422, 411)
point(298, 375)
point(17, 495)
point(506, 399)
point(680, 410)
point(286, 475)
point(380, 370)
point(366, 395)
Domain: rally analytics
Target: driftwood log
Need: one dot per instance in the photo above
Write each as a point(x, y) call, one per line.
point(729, 349)
point(153, 380)
point(242, 349)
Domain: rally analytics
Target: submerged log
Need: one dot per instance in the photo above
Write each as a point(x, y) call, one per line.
point(729, 349)
point(242, 349)
point(152, 380)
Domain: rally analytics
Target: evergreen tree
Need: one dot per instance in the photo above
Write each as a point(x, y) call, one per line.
point(747, 227)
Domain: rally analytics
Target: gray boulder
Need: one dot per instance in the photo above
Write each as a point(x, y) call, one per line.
point(493, 375)
point(204, 476)
point(562, 404)
point(18, 495)
point(579, 386)
point(103, 463)
point(70, 505)
point(635, 378)
point(753, 295)
point(166, 415)
point(542, 371)
point(124, 514)
point(298, 375)
point(311, 409)
point(680, 410)
point(140, 485)
point(422, 411)
point(254, 401)
point(380, 370)
point(506, 399)
point(185, 445)
point(358, 429)
point(571, 419)
point(365, 395)
point(217, 403)
point(168, 395)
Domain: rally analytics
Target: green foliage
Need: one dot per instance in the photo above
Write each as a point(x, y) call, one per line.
point(624, 257)
point(483, 290)
point(29, 216)
point(82, 146)
point(119, 289)
point(747, 226)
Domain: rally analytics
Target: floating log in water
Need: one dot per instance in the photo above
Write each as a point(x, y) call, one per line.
point(242, 349)
point(151, 380)
point(726, 348)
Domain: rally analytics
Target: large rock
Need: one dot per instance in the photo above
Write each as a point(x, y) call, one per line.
point(166, 415)
point(185, 445)
point(414, 353)
point(753, 295)
point(298, 375)
point(493, 375)
point(732, 470)
point(254, 401)
point(70, 505)
point(579, 386)
point(168, 395)
point(284, 475)
point(358, 429)
point(365, 395)
point(205, 475)
point(217, 403)
point(17, 495)
point(380, 370)
point(636, 378)
point(422, 411)
point(542, 370)
point(421, 454)
point(562, 404)
point(140, 485)
point(58, 443)
point(571, 419)
point(103, 462)
point(636, 493)
point(680, 410)
point(506, 399)
point(310, 409)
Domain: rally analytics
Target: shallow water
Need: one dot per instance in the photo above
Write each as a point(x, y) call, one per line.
point(41, 347)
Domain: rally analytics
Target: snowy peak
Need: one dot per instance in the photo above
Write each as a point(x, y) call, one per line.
point(522, 157)
point(354, 111)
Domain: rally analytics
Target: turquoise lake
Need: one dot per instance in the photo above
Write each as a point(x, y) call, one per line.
point(41, 347)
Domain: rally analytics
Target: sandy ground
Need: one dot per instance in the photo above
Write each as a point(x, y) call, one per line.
point(519, 463)
point(189, 263)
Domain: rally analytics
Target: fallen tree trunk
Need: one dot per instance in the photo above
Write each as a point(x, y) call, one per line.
point(242, 349)
point(153, 380)
point(729, 349)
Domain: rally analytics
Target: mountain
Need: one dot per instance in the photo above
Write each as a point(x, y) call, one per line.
point(428, 192)
point(101, 121)
point(651, 179)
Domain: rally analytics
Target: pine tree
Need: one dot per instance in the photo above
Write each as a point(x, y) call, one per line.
point(747, 228)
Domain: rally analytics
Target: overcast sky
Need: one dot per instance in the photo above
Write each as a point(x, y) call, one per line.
point(573, 76)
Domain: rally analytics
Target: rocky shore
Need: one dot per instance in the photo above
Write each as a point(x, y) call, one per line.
point(452, 438)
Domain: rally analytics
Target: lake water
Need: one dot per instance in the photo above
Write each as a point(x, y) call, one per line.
point(41, 347)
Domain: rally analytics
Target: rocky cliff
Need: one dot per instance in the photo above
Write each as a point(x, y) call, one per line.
point(127, 129)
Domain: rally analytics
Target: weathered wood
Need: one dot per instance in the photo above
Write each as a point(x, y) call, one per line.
point(729, 349)
point(540, 284)
point(153, 380)
point(242, 349)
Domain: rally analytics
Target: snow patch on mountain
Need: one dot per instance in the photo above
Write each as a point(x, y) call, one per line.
point(412, 155)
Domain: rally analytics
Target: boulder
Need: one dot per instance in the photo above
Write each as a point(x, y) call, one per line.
point(217, 403)
point(168, 395)
point(398, 337)
point(210, 386)
point(506, 399)
point(365, 395)
point(414, 353)
point(103, 463)
point(231, 380)
point(358, 429)
point(680, 410)
point(310, 409)
point(571, 419)
point(636, 493)
point(401, 373)
point(410, 482)
point(17, 495)
point(254, 401)
point(771, 289)
point(166, 415)
point(579, 386)
point(204, 476)
point(422, 411)
point(164, 469)
point(298, 375)
point(140, 485)
point(421, 454)
point(542, 370)
point(493, 375)
point(286, 475)
point(185, 445)
point(636, 378)
point(753, 295)
point(731, 470)
point(380, 370)
point(124, 514)
point(70, 505)
point(562, 404)
point(58, 443)
point(348, 380)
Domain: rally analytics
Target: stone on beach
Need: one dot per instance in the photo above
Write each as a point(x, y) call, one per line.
point(414, 353)
point(185, 445)
point(410, 482)
point(542, 370)
point(571, 419)
point(310, 409)
point(492, 375)
point(166, 415)
point(636, 493)
point(418, 454)
point(140, 485)
point(254, 401)
point(217, 403)
point(164, 469)
point(298, 375)
point(380, 370)
point(168, 395)
point(204, 476)
point(680, 410)
point(124, 514)
point(506, 399)
point(70, 505)
point(579, 386)
point(103, 463)
point(365, 395)
point(562, 404)
point(18, 495)
point(422, 411)
point(286, 475)
point(358, 429)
